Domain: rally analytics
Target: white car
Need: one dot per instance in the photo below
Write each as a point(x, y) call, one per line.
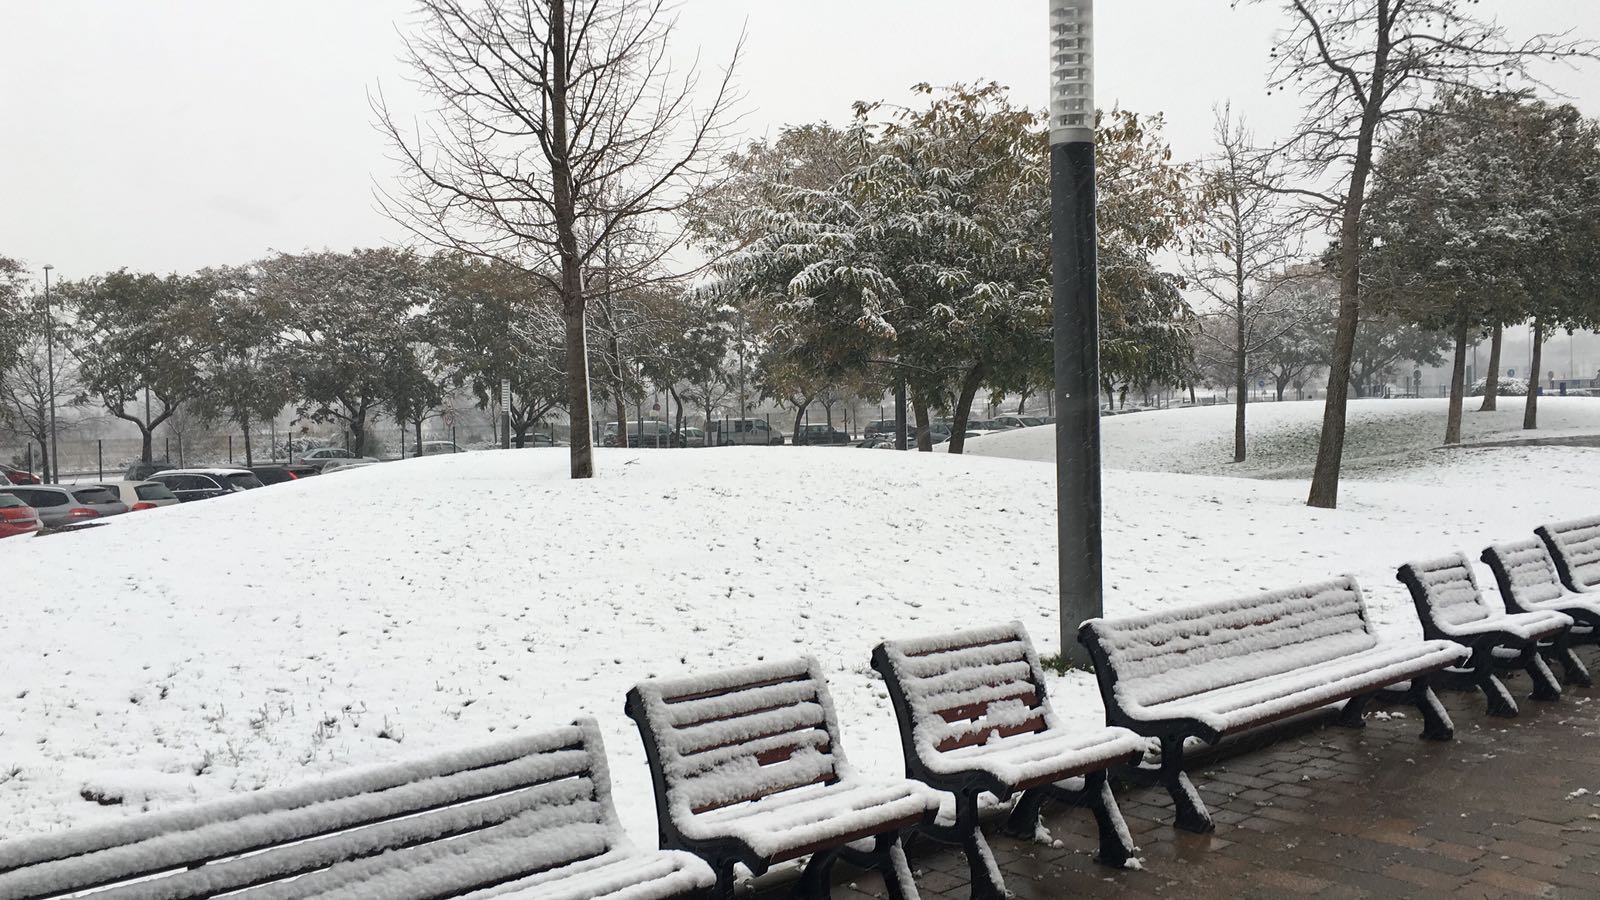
point(326, 458)
point(732, 432)
point(435, 448)
point(142, 494)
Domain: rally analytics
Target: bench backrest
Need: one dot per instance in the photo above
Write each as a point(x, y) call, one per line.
point(1181, 651)
point(1575, 548)
point(737, 735)
point(544, 799)
point(959, 690)
point(1445, 592)
point(1525, 574)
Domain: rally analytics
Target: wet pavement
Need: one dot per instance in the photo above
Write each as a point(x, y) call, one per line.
point(1510, 808)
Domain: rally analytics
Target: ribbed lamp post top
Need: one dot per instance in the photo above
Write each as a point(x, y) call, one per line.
point(1071, 71)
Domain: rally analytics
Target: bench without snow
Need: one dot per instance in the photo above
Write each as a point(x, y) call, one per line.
point(975, 719)
point(1451, 607)
point(749, 771)
point(1216, 669)
point(529, 817)
point(1529, 582)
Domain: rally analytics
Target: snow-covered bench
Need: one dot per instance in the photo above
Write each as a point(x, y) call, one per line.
point(530, 817)
point(1575, 549)
point(974, 719)
point(1528, 582)
point(1216, 669)
point(1452, 608)
point(749, 771)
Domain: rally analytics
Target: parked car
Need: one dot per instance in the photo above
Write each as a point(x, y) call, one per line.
point(326, 458)
point(62, 505)
point(203, 484)
point(694, 437)
point(881, 427)
point(280, 474)
point(746, 432)
point(648, 433)
point(540, 439)
point(1004, 422)
point(17, 517)
point(820, 435)
point(141, 471)
point(434, 448)
point(140, 495)
point(18, 476)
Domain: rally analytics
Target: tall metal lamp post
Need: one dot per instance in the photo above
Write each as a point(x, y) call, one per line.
point(1077, 317)
point(54, 475)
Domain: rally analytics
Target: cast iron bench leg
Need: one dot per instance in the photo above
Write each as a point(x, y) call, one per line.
point(1354, 713)
point(1573, 671)
point(1436, 724)
point(1023, 822)
point(888, 858)
point(1545, 686)
point(1191, 810)
point(1116, 844)
point(725, 882)
point(816, 881)
point(987, 882)
point(1498, 698)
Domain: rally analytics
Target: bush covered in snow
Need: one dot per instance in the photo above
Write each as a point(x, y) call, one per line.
point(1509, 387)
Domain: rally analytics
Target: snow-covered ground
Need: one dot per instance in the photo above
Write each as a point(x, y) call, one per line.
point(227, 645)
point(1383, 438)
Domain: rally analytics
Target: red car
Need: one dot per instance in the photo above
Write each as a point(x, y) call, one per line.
point(16, 517)
point(18, 476)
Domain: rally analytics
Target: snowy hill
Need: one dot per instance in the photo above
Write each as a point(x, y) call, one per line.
point(375, 614)
point(1382, 436)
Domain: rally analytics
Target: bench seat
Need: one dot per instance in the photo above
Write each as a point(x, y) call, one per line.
point(1450, 606)
point(786, 826)
point(1209, 670)
point(749, 771)
point(975, 719)
point(529, 816)
point(1238, 707)
point(1529, 582)
point(1029, 760)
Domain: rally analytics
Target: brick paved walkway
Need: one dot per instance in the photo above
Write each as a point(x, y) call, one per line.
point(1330, 812)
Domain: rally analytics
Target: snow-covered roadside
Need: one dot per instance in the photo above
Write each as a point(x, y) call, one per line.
point(253, 641)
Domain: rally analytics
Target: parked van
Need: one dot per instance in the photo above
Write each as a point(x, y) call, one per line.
point(734, 432)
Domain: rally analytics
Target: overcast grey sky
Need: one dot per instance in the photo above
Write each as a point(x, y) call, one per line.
point(174, 134)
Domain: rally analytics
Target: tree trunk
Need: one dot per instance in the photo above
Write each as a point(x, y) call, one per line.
point(1458, 372)
point(418, 441)
point(673, 393)
point(1330, 450)
point(1530, 415)
point(564, 207)
point(249, 457)
point(1491, 384)
point(799, 415)
point(900, 413)
point(969, 390)
point(146, 443)
point(924, 434)
point(358, 435)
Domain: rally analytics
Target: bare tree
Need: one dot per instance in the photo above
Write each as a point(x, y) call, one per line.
point(1363, 67)
point(1243, 245)
point(25, 390)
point(560, 127)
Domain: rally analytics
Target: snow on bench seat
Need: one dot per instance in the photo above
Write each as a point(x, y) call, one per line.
point(975, 718)
point(748, 770)
point(1213, 669)
point(1575, 548)
point(1451, 607)
point(532, 813)
point(1528, 582)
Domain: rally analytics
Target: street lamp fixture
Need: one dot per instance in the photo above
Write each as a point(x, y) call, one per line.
point(1077, 318)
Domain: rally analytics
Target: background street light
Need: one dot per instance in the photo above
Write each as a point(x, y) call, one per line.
point(54, 464)
point(1077, 317)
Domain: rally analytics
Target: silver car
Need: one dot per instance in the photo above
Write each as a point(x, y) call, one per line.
point(142, 494)
point(61, 505)
point(327, 458)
